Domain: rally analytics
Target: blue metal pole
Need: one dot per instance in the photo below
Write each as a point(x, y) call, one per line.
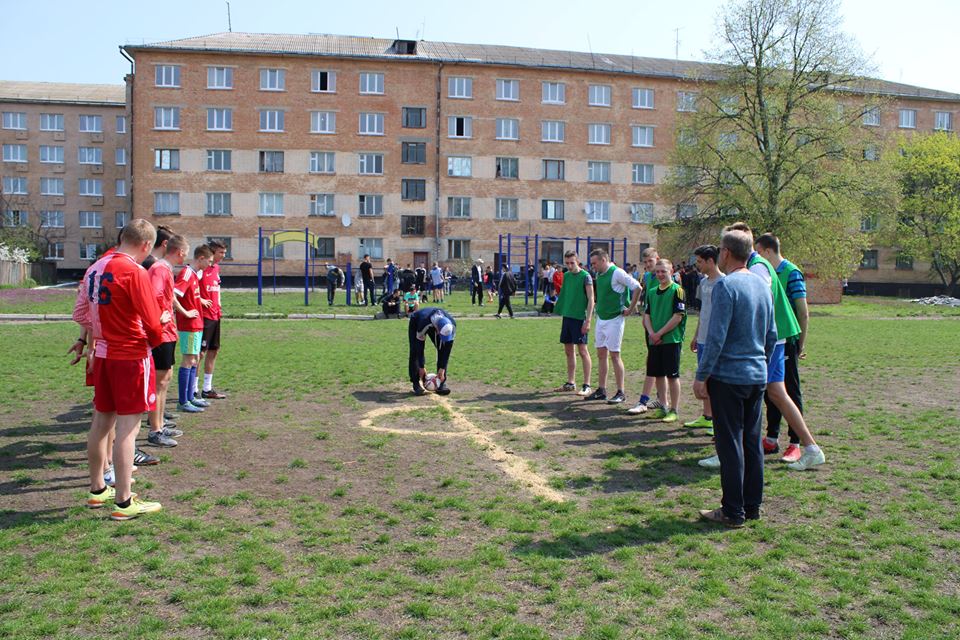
point(624, 250)
point(613, 250)
point(536, 266)
point(526, 270)
point(509, 237)
point(578, 248)
point(306, 266)
point(259, 266)
point(499, 259)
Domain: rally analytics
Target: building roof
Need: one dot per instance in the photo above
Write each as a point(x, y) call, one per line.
point(63, 92)
point(325, 45)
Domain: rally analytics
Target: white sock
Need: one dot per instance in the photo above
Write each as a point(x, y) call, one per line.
point(207, 381)
point(812, 448)
point(196, 386)
point(770, 440)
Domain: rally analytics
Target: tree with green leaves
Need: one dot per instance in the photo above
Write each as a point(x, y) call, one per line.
point(775, 137)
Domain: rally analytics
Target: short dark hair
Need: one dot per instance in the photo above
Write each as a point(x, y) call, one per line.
point(600, 253)
point(202, 251)
point(216, 245)
point(707, 252)
point(769, 241)
point(164, 233)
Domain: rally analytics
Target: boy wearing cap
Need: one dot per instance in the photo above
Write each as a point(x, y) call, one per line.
point(442, 329)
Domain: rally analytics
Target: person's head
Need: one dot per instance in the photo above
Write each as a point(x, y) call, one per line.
point(768, 246)
point(219, 250)
point(735, 248)
point(163, 236)
point(650, 257)
point(177, 249)
point(137, 239)
point(663, 270)
point(572, 260)
point(599, 260)
point(740, 226)
point(707, 256)
point(202, 257)
point(444, 327)
point(366, 257)
point(389, 260)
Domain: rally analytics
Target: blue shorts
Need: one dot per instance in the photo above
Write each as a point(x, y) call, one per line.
point(776, 366)
point(700, 348)
point(571, 331)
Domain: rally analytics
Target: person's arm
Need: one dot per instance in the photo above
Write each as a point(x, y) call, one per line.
point(721, 315)
point(624, 279)
point(671, 324)
point(77, 347)
point(647, 324)
point(588, 288)
point(803, 319)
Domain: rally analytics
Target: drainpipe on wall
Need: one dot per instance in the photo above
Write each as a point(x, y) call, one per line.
point(436, 191)
point(129, 113)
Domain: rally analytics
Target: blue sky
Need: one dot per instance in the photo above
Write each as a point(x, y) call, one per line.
point(66, 41)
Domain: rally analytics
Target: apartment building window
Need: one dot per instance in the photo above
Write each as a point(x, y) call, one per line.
point(271, 162)
point(552, 131)
point(91, 187)
point(869, 259)
point(871, 117)
point(686, 211)
point(166, 159)
point(219, 204)
point(554, 93)
point(88, 251)
point(508, 90)
point(413, 189)
point(219, 119)
point(14, 153)
point(508, 129)
point(15, 218)
point(372, 247)
point(371, 124)
point(50, 122)
point(274, 252)
point(458, 207)
point(460, 127)
point(942, 121)
point(686, 101)
point(553, 169)
point(14, 186)
point(908, 119)
point(904, 262)
point(458, 249)
point(508, 209)
point(120, 188)
point(323, 81)
point(54, 251)
point(90, 220)
point(551, 210)
point(321, 204)
point(271, 120)
point(642, 173)
point(598, 171)
point(371, 83)
point(166, 203)
point(508, 168)
point(413, 152)
point(166, 118)
point(412, 225)
point(597, 211)
point(219, 160)
point(642, 136)
point(120, 156)
point(51, 186)
point(120, 219)
point(273, 79)
point(91, 124)
point(323, 122)
point(371, 164)
point(219, 78)
point(414, 117)
point(54, 154)
point(598, 134)
point(642, 98)
point(599, 95)
point(370, 205)
point(460, 166)
point(15, 120)
point(641, 212)
point(322, 162)
point(121, 124)
point(460, 87)
point(51, 219)
point(168, 75)
point(271, 204)
point(90, 155)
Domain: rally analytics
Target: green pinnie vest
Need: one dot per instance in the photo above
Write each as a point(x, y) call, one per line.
point(572, 301)
point(610, 304)
point(787, 325)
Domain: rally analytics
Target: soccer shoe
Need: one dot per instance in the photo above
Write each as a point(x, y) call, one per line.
point(109, 478)
point(97, 500)
point(566, 386)
point(638, 408)
point(137, 507)
point(808, 460)
point(158, 439)
point(792, 454)
point(700, 423)
point(599, 394)
point(585, 390)
point(142, 458)
point(418, 389)
point(717, 516)
point(443, 389)
point(658, 414)
point(170, 416)
point(199, 402)
point(189, 408)
point(670, 416)
point(212, 394)
point(171, 431)
point(618, 398)
point(713, 462)
point(773, 447)
point(655, 404)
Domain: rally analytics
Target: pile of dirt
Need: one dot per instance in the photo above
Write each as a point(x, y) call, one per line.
point(939, 301)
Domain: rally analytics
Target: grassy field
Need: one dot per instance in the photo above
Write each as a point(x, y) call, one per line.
point(321, 500)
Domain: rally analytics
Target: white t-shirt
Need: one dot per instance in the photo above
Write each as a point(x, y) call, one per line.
point(704, 295)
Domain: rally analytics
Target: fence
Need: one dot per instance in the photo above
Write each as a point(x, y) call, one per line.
point(13, 273)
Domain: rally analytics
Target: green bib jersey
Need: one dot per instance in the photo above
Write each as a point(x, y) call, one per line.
point(572, 301)
point(663, 304)
point(786, 320)
point(610, 302)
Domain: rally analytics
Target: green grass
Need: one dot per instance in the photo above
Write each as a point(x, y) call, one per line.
point(283, 519)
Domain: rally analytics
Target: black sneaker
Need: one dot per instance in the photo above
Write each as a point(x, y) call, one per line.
point(158, 439)
point(142, 458)
point(617, 399)
point(443, 389)
point(418, 389)
point(599, 394)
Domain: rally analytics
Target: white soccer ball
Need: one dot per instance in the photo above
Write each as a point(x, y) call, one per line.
point(432, 382)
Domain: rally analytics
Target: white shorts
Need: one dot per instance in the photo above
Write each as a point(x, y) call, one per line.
point(609, 334)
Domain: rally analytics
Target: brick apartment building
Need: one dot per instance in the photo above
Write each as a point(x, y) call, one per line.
point(419, 150)
point(66, 150)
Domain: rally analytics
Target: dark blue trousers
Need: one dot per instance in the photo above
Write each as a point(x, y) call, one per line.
point(737, 410)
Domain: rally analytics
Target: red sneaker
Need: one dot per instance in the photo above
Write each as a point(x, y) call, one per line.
point(770, 447)
point(792, 454)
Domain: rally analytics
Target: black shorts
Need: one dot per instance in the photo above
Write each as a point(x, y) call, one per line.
point(163, 356)
point(663, 360)
point(571, 331)
point(211, 335)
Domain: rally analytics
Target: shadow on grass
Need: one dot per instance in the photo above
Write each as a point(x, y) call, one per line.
point(384, 396)
point(45, 446)
point(10, 519)
point(657, 530)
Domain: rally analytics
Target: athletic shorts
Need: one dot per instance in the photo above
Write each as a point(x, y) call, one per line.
point(571, 331)
point(124, 386)
point(700, 348)
point(190, 342)
point(663, 360)
point(163, 356)
point(609, 334)
point(777, 364)
point(91, 372)
point(211, 335)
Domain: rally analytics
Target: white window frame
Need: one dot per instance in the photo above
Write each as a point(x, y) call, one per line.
point(167, 76)
point(86, 184)
point(369, 205)
point(460, 88)
point(508, 129)
point(598, 171)
point(121, 124)
point(686, 211)
point(508, 90)
point(272, 120)
point(120, 188)
point(467, 127)
point(15, 120)
point(371, 246)
point(371, 124)
point(89, 155)
point(120, 156)
point(222, 157)
point(15, 186)
point(15, 153)
point(51, 186)
point(687, 101)
point(323, 122)
point(267, 161)
point(640, 172)
point(273, 79)
point(597, 211)
point(51, 219)
point(322, 204)
point(943, 121)
point(219, 203)
point(91, 220)
point(56, 253)
point(220, 78)
point(315, 81)
point(120, 219)
point(507, 209)
point(88, 251)
point(553, 131)
point(166, 118)
point(463, 249)
point(643, 98)
point(642, 212)
point(458, 207)
point(220, 117)
point(598, 133)
point(908, 122)
point(460, 166)
point(56, 150)
point(270, 204)
point(371, 83)
point(507, 161)
point(553, 92)
point(90, 123)
point(323, 162)
point(166, 203)
point(16, 218)
point(641, 135)
point(600, 95)
point(370, 164)
point(166, 159)
point(57, 124)
point(871, 117)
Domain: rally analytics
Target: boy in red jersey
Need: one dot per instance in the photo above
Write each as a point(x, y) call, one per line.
point(190, 328)
point(210, 344)
point(123, 311)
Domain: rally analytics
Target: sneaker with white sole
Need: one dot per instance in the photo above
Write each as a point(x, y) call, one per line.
point(189, 408)
point(808, 460)
point(713, 462)
point(137, 507)
point(159, 439)
point(640, 407)
point(618, 398)
point(585, 391)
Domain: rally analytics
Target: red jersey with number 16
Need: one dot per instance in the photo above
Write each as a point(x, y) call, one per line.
point(187, 289)
point(210, 290)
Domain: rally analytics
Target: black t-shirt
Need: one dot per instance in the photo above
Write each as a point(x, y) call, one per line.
point(366, 270)
point(148, 262)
